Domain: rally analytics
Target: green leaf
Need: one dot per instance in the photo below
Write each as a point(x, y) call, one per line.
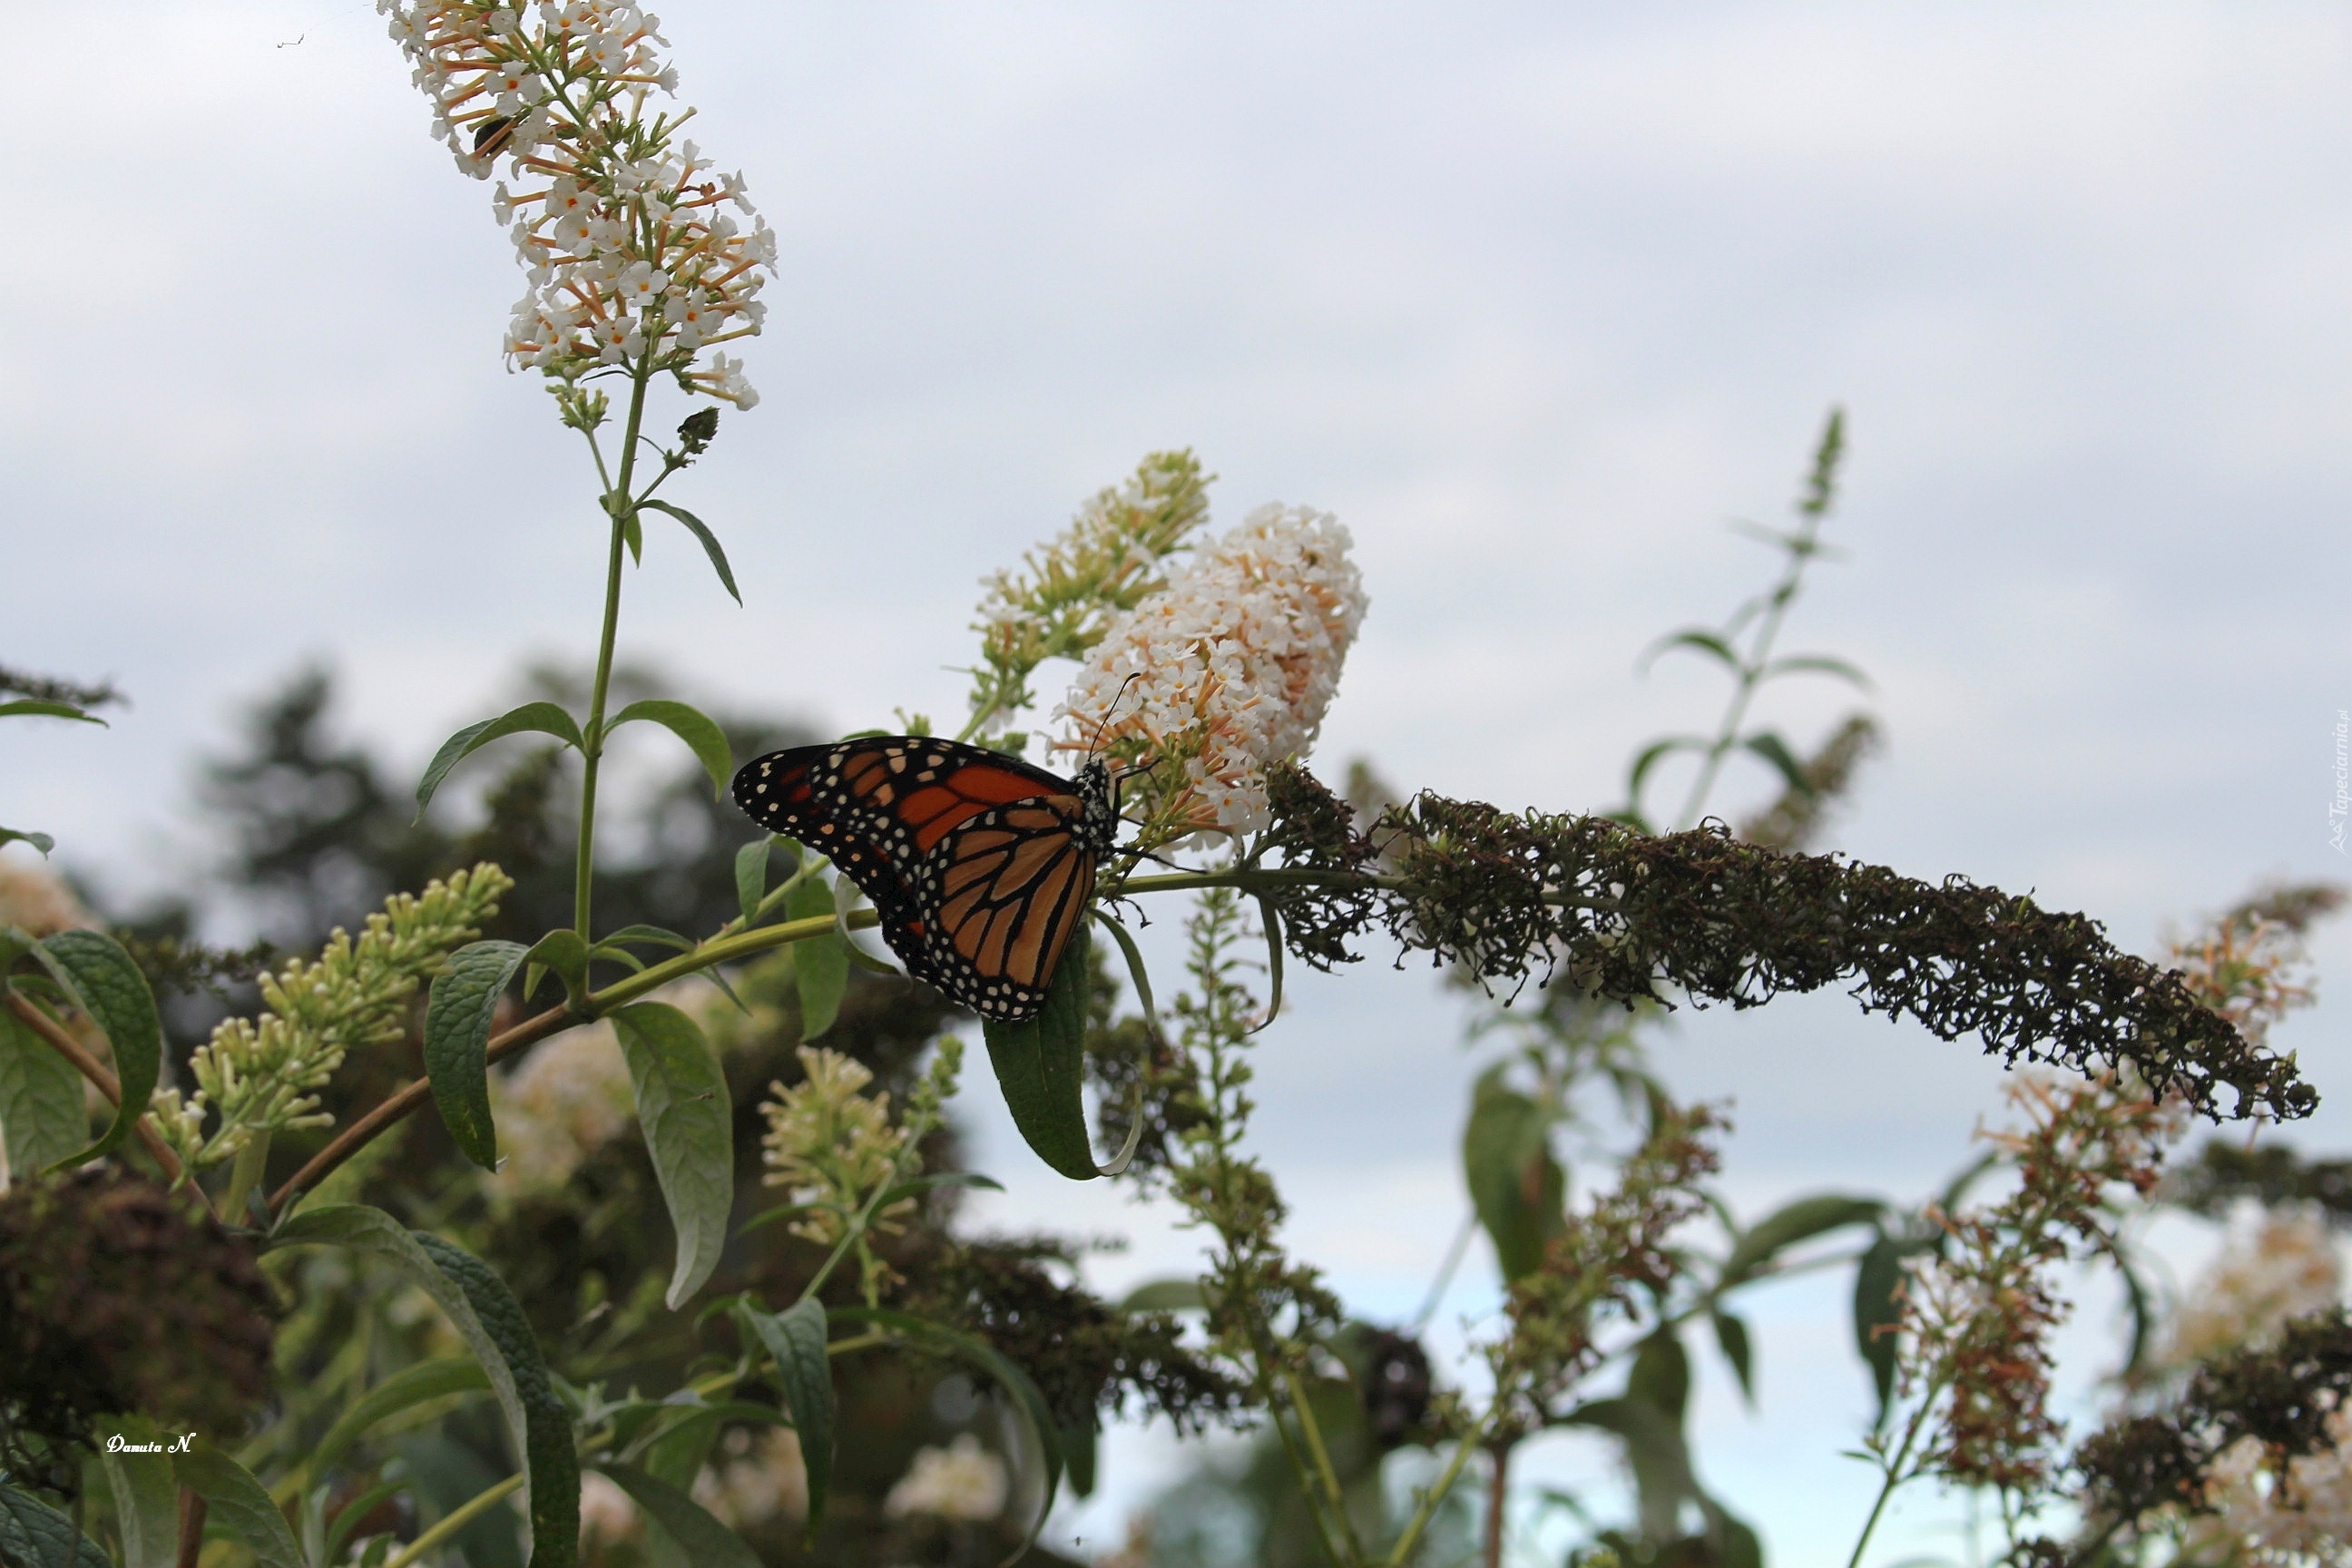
point(1768, 745)
point(1699, 638)
point(35, 1535)
point(1135, 972)
point(1271, 918)
point(1731, 1334)
point(410, 1385)
point(1734, 1544)
point(33, 707)
point(689, 1125)
point(1652, 755)
point(146, 1497)
point(42, 1114)
point(1817, 664)
point(796, 1337)
point(552, 1460)
point(1078, 1446)
point(703, 738)
point(1655, 1451)
point(1876, 1314)
point(1041, 1068)
point(1800, 1220)
point(349, 1517)
point(632, 534)
point(369, 1229)
point(709, 543)
point(465, 998)
point(1517, 1188)
point(647, 936)
point(240, 1505)
point(941, 1340)
point(752, 876)
point(820, 965)
point(1660, 1374)
point(40, 841)
point(1165, 1295)
point(562, 953)
point(937, 1179)
point(106, 984)
point(707, 1543)
point(543, 718)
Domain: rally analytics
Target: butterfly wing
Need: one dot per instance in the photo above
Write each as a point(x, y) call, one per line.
point(1004, 893)
point(973, 860)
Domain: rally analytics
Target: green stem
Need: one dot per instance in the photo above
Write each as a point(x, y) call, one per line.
point(1402, 1550)
point(618, 509)
point(245, 1174)
point(456, 1520)
point(1895, 1478)
point(1312, 1431)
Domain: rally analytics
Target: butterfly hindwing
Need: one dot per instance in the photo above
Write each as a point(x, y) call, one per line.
point(978, 865)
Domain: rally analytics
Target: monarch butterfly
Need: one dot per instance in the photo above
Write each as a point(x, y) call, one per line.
point(980, 865)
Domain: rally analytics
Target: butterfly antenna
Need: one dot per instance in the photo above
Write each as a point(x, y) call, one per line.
point(1103, 728)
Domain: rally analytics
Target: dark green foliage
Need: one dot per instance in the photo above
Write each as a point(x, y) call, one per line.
point(1628, 915)
point(1086, 1357)
point(1315, 829)
point(2269, 1173)
point(53, 689)
point(118, 1295)
point(2281, 1397)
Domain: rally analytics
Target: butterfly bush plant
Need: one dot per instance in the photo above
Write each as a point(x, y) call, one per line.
point(145, 1271)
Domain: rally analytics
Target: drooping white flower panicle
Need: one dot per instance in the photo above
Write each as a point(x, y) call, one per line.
point(1224, 672)
point(632, 259)
point(2287, 1267)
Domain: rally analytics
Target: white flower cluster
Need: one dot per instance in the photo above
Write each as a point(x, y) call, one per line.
point(755, 1477)
point(570, 1098)
point(2286, 1268)
point(1226, 670)
point(962, 1481)
point(631, 263)
point(2293, 1521)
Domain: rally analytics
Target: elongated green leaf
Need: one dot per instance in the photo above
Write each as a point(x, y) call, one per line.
point(752, 876)
point(1041, 1068)
point(1734, 1544)
point(1270, 919)
point(1876, 1314)
point(42, 1117)
point(1731, 1335)
point(647, 936)
point(239, 1504)
point(35, 1535)
point(707, 1543)
point(40, 841)
point(1165, 1295)
point(465, 998)
point(1793, 1221)
point(1655, 1450)
point(33, 707)
point(709, 543)
point(1696, 637)
point(1768, 745)
point(1079, 1444)
point(1519, 1189)
point(410, 1386)
point(796, 1337)
point(937, 1179)
point(1817, 664)
point(1660, 1374)
point(820, 965)
point(979, 1355)
point(349, 1518)
point(543, 718)
point(703, 738)
point(370, 1229)
point(105, 984)
point(146, 1496)
point(1655, 752)
point(552, 1460)
point(689, 1127)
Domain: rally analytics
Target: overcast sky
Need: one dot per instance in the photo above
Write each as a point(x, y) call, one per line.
point(1537, 298)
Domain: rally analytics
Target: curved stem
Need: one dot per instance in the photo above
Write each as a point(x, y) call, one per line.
point(455, 1521)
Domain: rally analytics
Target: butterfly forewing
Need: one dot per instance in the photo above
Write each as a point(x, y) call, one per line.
point(978, 865)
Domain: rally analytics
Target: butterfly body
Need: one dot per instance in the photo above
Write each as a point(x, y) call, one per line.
point(980, 865)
